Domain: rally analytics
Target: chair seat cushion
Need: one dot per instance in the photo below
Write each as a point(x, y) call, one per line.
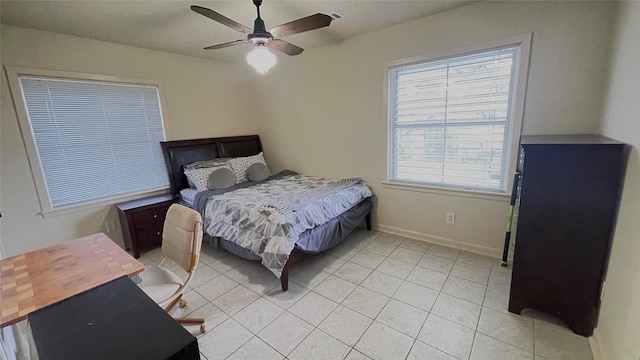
point(159, 283)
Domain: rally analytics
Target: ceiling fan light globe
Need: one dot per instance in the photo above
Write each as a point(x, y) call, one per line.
point(261, 59)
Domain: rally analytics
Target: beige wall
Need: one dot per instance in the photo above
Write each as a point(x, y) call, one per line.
point(323, 112)
point(201, 99)
point(618, 331)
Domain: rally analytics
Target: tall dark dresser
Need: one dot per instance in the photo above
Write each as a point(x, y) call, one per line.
point(570, 193)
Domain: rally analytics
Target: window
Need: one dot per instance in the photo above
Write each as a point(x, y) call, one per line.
point(452, 120)
point(93, 140)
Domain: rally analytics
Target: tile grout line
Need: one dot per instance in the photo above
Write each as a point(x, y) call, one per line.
point(323, 319)
point(391, 297)
point(507, 343)
point(475, 332)
point(230, 317)
point(430, 308)
point(351, 348)
point(314, 326)
point(430, 312)
point(374, 319)
point(486, 289)
point(279, 316)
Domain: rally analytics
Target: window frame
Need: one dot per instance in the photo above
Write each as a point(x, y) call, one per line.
point(516, 113)
point(46, 208)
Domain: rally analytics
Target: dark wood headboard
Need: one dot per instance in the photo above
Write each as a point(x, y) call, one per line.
point(179, 153)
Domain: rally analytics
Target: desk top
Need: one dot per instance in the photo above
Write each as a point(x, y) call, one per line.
point(43, 277)
point(116, 320)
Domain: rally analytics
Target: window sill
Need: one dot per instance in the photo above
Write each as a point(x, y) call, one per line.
point(66, 210)
point(473, 194)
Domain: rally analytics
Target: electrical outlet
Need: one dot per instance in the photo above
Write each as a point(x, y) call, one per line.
point(451, 218)
point(110, 226)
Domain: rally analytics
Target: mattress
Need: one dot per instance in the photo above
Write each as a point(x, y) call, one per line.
point(188, 196)
point(269, 218)
point(312, 241)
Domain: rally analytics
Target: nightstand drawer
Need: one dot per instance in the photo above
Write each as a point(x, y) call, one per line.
point(149, 237)
point(150, 218)
point(142, 221)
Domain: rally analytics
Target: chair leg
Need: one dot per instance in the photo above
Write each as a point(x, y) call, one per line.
point(173, 303)
point(192, 321)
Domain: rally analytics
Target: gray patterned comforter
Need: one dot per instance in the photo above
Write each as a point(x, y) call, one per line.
point(269, 217)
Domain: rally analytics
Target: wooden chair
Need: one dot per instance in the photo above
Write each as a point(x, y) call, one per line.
point(181, 242)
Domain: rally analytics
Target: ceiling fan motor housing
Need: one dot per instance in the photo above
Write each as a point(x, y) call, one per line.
point(260, 34)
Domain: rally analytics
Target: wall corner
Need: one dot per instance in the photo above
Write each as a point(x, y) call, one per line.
point(596, 348)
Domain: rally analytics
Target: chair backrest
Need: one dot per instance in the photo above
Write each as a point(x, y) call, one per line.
point(182, 236)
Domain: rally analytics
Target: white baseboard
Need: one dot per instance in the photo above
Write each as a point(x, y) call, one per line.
point(456, 244)
point(596, 347)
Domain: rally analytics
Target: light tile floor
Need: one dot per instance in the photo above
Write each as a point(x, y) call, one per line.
point(376, 296)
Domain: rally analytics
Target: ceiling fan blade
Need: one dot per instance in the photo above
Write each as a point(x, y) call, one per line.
point(224, 45)
point(221, 19)
point(285, 47)
point(301, 25)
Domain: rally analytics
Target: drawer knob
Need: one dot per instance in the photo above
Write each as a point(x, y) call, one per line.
point(155, 216)
point(158, 233)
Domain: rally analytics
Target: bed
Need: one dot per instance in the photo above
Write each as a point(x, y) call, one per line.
point(311, 241)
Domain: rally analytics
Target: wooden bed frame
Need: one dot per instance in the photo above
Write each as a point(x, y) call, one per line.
point(179, 153)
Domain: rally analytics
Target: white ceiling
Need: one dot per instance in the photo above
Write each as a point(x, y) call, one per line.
point(172, 27)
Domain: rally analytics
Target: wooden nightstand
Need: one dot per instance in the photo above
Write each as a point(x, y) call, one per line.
point(142, 221)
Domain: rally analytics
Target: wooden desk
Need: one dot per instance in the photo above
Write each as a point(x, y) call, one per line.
point(43, 277)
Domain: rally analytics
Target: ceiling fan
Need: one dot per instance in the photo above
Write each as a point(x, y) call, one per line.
point(261, 59)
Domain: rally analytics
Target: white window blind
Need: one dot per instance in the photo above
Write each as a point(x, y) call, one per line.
point(95, 139)
point(450, 120)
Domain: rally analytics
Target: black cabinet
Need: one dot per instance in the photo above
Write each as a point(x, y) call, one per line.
point(116, 320)
point(571, 188)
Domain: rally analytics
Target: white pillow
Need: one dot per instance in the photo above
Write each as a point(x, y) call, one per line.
point(200, 177)
point(241, 164)
point(206, 163)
